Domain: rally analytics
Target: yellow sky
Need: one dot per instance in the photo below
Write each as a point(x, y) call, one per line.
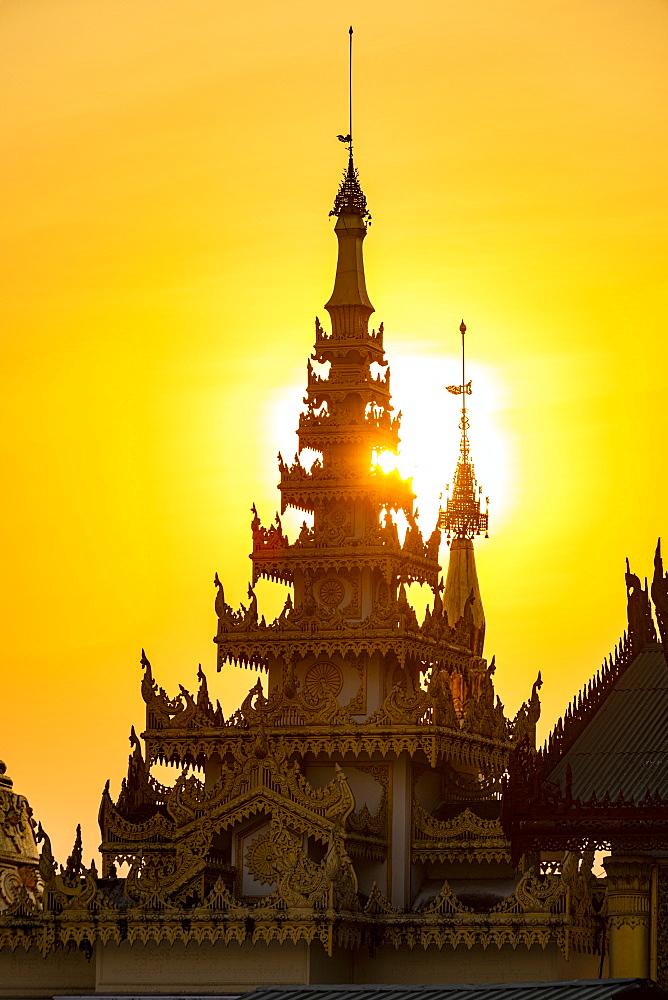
point(167, 170)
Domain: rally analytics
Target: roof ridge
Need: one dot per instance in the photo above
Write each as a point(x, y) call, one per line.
point(586, 703)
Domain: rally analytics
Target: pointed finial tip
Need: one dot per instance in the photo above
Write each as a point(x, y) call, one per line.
point(462, 327)
point(350, 30)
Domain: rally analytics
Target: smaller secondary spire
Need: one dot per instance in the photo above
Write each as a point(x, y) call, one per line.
point(350, 199)
point(462, 517)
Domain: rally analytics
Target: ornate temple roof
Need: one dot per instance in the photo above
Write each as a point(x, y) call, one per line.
point(601, 778)
point(624, 749)
point(350, 199)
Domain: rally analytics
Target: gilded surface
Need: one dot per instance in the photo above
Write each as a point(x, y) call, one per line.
point(20, 884)
point(293, 819)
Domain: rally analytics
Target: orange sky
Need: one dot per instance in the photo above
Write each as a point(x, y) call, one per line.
point(167, 170)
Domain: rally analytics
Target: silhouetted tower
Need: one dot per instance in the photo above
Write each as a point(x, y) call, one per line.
point(461, 521)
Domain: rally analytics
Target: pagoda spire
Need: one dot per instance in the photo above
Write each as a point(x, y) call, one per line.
point(461, 520)
point(349, 305)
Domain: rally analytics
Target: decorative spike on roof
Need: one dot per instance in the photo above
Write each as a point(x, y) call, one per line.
point(660, 596)
point(462, 517)
point(350, 199)
point(582, 709)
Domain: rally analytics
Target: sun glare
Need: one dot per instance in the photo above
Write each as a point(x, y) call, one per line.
point(429, 433)
point(430, 430)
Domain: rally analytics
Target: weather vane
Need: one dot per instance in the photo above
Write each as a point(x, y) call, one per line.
point(462, 517)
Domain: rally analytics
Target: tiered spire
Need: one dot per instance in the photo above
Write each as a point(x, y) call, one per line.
point(461, 521)
point(462, 517)
point(349, 305)
point(350, 199)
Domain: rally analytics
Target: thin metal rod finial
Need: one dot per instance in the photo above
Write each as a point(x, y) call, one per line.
point(462, 329)
point(350, 94)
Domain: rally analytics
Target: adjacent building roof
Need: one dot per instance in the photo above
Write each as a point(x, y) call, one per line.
point(624, 749)
point(576, 989)
point(602, 780)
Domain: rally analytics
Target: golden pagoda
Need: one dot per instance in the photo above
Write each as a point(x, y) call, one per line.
point(343, 825)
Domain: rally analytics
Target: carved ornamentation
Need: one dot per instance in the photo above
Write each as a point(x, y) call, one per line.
point(277, 857)
point(323, 677)
point(332, 592)
point(465, 837)
point(446, 904)
point(434, 703)
point(329, 889)
point(639, 612)
point(20, 890)
point(523, 726)
point(660, 597)
point(17, 840)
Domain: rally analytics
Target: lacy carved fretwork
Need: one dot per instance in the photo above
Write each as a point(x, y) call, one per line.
point(350, 199)
point(480, 736)
point(181, 712)
point(170, 850)
point(81, 909)
point(567, 892)
point(436, 744)
point(363, 822)
point(141, 795)
point(71, 888)
point(158, 879)
point(368, 833)
point(466, 837)
point(539, 814)
point(277, 857)
point(466, 788)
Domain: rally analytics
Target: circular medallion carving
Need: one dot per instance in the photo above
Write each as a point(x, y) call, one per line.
point(323, 678)
point(262, 859)
point(332, 592)
point(338, 516)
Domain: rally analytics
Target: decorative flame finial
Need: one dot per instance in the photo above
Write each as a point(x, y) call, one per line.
point(350, 199)
point(462, 517)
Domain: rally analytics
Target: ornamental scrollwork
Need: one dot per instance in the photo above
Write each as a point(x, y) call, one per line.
point(277, 857)
point(20, 891)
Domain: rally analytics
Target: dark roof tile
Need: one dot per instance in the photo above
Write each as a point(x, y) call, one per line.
point(624, 749)
point(577, 989)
